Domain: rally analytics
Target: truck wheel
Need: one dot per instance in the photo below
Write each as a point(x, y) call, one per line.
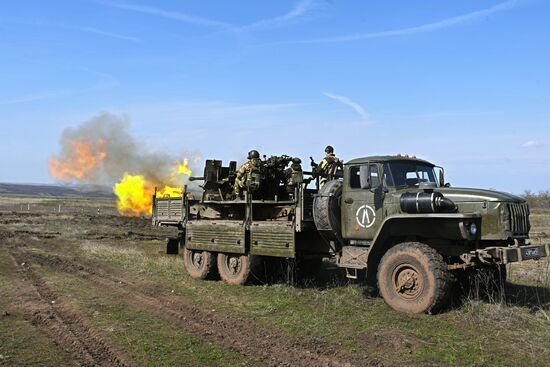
point(413, 278)
point(238, 269)
point(199, 264)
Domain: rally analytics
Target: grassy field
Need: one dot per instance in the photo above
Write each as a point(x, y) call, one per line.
point(82, 287)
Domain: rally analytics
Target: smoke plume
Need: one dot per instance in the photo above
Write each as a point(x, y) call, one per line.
point(102, 151)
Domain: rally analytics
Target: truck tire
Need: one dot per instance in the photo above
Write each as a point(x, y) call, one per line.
point(238, 269)
point(326, 211)
point(199, 264)
point(413, 278)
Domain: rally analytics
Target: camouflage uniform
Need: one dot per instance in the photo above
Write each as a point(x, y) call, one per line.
point(244, 173)
point(328, 165)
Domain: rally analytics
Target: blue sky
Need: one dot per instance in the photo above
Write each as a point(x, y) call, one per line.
point(462, 83)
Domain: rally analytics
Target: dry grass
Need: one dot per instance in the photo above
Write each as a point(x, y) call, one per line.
point(511, 328)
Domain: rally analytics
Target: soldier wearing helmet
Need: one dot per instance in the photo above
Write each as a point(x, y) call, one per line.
point(328, 166)
point(247, 172)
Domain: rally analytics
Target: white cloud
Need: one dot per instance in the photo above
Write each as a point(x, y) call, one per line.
point(100, 32)
point(348, 102)
point(78, 28)
point(429, 27)
point(531, 144)
point(179, 16)
point(300, 9)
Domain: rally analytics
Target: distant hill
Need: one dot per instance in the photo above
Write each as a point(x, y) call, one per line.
point(55, 190)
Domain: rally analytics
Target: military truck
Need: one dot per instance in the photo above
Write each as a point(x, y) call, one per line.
point(393, 218)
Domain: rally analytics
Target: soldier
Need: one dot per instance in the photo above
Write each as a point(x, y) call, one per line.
point(328, 165)
point(246, 171)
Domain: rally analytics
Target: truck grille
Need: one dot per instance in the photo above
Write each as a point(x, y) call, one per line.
point(519, 219)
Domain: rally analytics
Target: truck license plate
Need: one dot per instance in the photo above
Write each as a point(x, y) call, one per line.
point(531, 253)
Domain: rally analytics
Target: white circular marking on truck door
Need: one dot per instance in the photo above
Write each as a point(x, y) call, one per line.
point(365, 216)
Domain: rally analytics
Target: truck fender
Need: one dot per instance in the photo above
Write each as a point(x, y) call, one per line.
point(447, 226)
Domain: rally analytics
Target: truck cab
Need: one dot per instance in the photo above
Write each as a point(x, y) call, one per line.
point(374, 187)
point(396, 218)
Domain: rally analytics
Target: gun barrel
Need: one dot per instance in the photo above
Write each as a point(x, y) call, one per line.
point(196, 178)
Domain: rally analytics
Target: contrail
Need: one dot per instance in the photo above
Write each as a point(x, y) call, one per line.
point(179, 16)
point(300, 9)
point(445, 23)
point(348, 102)
point(101, 32)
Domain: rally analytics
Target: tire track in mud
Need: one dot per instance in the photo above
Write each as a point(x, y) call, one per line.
point(258, 343)
point(50, 313)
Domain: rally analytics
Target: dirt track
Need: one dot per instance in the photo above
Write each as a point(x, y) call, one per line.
point(79, 288)
point(53, 314)
point(259, 344)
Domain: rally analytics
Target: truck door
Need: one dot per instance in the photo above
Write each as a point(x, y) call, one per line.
point(362, 202)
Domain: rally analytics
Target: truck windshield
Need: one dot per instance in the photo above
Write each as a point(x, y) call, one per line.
point(408, 174)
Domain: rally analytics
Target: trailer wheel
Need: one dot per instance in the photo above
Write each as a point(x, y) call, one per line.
point(413, 278)
point(238, 269)
point(199, 264)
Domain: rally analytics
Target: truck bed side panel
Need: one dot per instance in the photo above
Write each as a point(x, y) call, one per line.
point(272, 239)
point(215, 236)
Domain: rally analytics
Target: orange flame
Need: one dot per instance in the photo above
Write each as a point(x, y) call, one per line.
point(134, 192)
point(134, 196)
point(183, 168)
point(84, 158)
point(169, 191)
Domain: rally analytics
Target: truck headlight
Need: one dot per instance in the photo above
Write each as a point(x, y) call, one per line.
point(473, 229)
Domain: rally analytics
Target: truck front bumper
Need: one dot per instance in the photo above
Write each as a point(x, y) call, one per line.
point(506, 255)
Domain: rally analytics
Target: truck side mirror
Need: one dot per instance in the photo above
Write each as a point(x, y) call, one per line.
point(364, 177)
point(441, 177)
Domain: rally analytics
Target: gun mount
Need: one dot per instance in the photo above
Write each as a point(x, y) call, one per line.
point(275, 180)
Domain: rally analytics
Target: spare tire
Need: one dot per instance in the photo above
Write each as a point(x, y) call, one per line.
point(326, 211)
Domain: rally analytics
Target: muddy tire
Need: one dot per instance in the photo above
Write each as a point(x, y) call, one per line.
point(413, 278)
point(200, 264)
point(238, 269)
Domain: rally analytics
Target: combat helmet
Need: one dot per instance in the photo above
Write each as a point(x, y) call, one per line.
point(253, 154)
